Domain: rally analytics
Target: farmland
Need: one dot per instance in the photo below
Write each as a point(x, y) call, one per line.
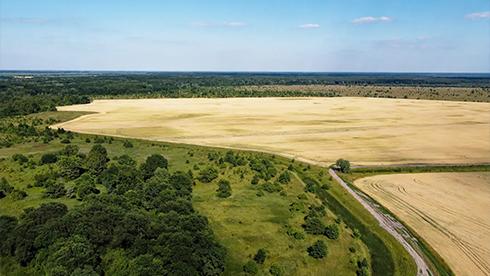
point(364, 130)
point(448, 210)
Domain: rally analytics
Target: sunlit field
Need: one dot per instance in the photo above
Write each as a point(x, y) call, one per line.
point(449, 210)
point(320, 130)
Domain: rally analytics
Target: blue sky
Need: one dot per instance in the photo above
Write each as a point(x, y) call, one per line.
point(246, 35)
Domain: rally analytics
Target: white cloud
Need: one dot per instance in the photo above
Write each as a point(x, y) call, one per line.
point(230, 24)
point(478, 15)
point(371, 19)
point(310, 26)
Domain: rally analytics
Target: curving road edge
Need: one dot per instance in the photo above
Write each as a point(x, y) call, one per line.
point(390, 224)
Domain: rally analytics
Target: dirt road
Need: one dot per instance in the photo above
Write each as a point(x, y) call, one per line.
point(388, 223)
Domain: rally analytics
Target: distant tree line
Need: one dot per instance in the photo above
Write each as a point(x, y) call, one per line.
point(19, 96)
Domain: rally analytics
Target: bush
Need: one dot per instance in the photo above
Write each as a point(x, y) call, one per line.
point(255, 180)
point(55, 190)
point(224, 189)
point(20, 158)
point(48, 158)
point(284, 177)
point(313, 225)
point(18, 194)
point(271, 187)
point(126, 160)
point(332, 231)
point(127, 144)
point(275, 270)
point(71, 167)
point(97, 159)
point(70, 150)
point(208, 174)
point(318, 250)
point(343, 165)
point(260, 256)
point(250, 268)
point(5, 186)
point(153, 162)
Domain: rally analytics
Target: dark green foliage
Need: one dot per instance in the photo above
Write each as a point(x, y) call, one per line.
point(7, 228)
point(343, 165)
point(153, 162)
point(234, 159)
point(18, 194)
point(314, 225)
point(44, 179)
point(275, 270)
point(126, 160)
point(311, 184)
point(20, 158)
point(85, 186)
point(120, 178)
point(48, 158)
point(127, 144)
point(138, 228)
point(362, 268)
point(284, 177)
point(5, 186)
point(260, 256)
point(264, 167)
point(97, 159)
point(55, 190)
point(255, 180)
point(208, 174)
point(213, 156)
point(71, 167)
point(224, 189)
point(70, 150)
point(318, 250)
point(332, 231)
point(250, 267)
point(271, 187)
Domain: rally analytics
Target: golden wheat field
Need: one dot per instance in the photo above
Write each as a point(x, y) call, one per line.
point(449, 210)
point(321, 130)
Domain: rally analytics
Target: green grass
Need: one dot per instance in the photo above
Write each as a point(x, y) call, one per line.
point(244, 222)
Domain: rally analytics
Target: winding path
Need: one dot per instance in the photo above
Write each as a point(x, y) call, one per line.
point(390, 224)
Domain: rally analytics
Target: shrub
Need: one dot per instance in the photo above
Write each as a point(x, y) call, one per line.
point(224, 189)
point(127, 144)
point(70, 150)
point(126, 160)
point(343, 165)
point(255, 180)
point(271, 187)
point(275, 270)
point(318, 250)
point(332, 231)
point(97, 159)
point(284, 177)
point(208, 174)
point(313, 225)
point(71, 167)
point(5, 186)
point(18, 194)
point(250, 268)
point(48, 158)
point(260, 256)
point(153, 162)
point(55, 190)
point(20, 158)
